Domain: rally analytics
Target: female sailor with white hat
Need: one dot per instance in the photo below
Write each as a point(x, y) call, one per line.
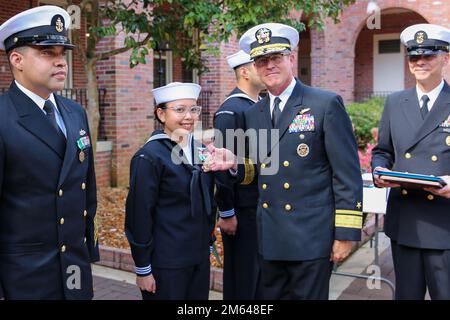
point(169, 211)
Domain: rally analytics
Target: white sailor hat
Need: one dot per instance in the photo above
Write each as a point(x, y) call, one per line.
point(269, 38)
point(176, 91)
point(40, 26)
point(425, 39)
point(238, 59)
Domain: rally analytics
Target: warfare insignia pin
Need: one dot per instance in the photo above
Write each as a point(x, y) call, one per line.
point(304, 110)
point(82, 132)
point(359, 205)
point(302, 150)
point(263, 35)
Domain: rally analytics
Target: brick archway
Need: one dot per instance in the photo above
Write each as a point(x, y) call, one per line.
point(393, 21)
point(333, 50)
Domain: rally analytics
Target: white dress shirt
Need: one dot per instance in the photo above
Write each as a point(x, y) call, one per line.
point(284, 96)
point(433, 95)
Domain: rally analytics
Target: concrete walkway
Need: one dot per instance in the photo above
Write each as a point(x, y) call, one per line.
point(111, 284)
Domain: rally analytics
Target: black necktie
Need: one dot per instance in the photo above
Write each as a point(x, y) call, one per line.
point(276, 111)
point(424, 109)
point(50, 110)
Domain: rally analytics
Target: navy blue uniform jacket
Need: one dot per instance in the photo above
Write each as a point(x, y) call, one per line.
point(406, 142)
point(230, 116)
point(41, 182)
point(169, 208)
point(315, 196)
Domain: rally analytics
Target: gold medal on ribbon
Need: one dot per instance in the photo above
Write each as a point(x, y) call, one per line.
point(81, 156)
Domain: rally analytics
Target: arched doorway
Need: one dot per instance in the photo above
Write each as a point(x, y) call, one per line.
point(304, 57)
point(380, 64)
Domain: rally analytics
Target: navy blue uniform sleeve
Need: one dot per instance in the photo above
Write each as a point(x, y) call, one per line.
point(342, 153)
point(140, 204)
point(2, 168)
point(225, 197)
point(212, 217)
point(383, 153)
point(2, 164)
point(92, 224)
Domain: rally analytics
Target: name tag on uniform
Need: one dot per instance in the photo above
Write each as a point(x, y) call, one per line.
point(302, 122)
point(446, 123)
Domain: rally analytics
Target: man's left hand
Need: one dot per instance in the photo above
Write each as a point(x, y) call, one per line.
point(444, 191)
point(341, 250)
point(228, 226)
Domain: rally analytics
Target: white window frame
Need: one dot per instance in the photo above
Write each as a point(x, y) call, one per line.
point(168, 57)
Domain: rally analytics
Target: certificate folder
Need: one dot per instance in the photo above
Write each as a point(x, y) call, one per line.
point(411, 180)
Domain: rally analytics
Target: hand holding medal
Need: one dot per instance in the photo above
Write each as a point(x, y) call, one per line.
point(219, 159)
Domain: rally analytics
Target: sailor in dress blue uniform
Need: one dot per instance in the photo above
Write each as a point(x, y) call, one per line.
point(169, 209)
point(48, 235)
point(236, 202)
point(414, 136)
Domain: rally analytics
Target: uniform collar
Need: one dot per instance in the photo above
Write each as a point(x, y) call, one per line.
point(433, 94)
point(284, 96)
point(36, 99)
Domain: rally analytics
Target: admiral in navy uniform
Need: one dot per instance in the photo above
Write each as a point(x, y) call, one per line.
point(236, 202)
point(310, 205)
point(415, 137)
point(169, 209)
point(48, 237)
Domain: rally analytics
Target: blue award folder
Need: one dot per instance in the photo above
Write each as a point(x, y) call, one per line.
point(413, 180)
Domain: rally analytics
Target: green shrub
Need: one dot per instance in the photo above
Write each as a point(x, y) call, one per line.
point(365, 116)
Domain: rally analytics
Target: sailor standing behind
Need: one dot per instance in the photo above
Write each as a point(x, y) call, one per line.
point(169, 211)
point(237, 203)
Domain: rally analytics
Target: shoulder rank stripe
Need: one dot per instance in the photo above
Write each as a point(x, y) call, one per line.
point(249, 171)
point(225, 112)
point(348, 222)
point(352, 212)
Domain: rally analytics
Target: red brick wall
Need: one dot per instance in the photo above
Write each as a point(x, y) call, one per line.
point(128, 114)
point(103, 168)
point(220, 79)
